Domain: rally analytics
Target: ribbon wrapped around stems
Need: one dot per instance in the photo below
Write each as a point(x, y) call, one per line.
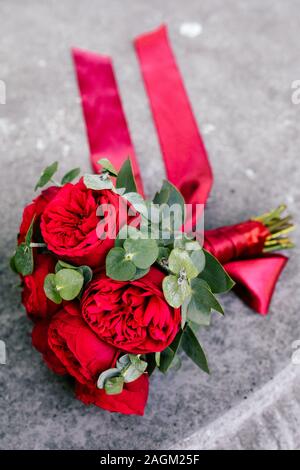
point(239, 248)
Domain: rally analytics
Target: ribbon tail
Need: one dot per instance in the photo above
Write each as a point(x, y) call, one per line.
point(256, 279)
point(185, 157)
point(106, 125)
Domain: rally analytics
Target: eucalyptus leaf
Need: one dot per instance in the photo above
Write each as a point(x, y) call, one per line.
point(125, 178)
point(132, 373)
point(50, 289)
point(125, 232)
point(142, 252)
point(114, 386)
point(68, 283)
point(179, 261)
point(86, 272)
point(46, 175)
point(98, 182)
point(137, 201)
point(140, 273)
point(107, 374)
point(175, 292)
point(118, 267)
point(23, 259)
point(184, 310)
point(157, 358)
point(70, 176)
point(123, 361)
point(108, 166)
point(198, 258)
point(215, 275)
point(193, 349)
point(63, 265)
point(137, 362)
point(181, 240)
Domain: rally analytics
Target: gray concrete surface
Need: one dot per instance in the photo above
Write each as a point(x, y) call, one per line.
point(238, 73)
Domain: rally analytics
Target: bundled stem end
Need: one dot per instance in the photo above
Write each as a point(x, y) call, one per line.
point(279, 226)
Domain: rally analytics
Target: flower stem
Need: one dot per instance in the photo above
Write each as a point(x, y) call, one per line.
point(278, 227)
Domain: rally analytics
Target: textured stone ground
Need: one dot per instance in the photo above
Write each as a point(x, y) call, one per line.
point(238, 73)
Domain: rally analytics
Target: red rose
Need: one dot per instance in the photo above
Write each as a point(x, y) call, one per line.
point(83, 354)
point(69, 224)
point(34, 299)
point(132, 316)
point(40, 342)
point(36, 207)
point(131, 400)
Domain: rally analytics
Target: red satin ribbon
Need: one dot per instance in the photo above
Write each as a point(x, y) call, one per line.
point(239, 248)
point(184, 154)
point(183, 150)
point(236, 241)
point(105, 121)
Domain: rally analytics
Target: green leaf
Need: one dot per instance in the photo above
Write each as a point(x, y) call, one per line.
point(183, 241)
point(198, 258)
point(28, 236)
point(118, 267)
point(163, 255)
point(174, 196)
point(23, 259)
point(137, 362)
point(12, 264)
point(127, 232)
point(162, 196)
point(184, 309)
point(98, 182)
point(137, 202)
point(134, 370)
point(175, 292)
point(46, 175)
point(68, 283)
point(86, 272)
point(108, 166)
point(114, 386)
point(70, 176)
point(215, 275)
point(50, 289)
point(62, 264)
point(107, 374)
point(140, 273)
point(193, 349)
point(168, 355)
point(157, 358)
point(179, 261)
point(202, 302)
point(125, 178)
point(142, 252)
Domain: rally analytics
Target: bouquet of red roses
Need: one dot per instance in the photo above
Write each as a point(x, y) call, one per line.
point(114, 286)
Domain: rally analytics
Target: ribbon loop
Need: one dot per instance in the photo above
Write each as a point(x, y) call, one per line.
point(183, 150)
point(105, 121)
